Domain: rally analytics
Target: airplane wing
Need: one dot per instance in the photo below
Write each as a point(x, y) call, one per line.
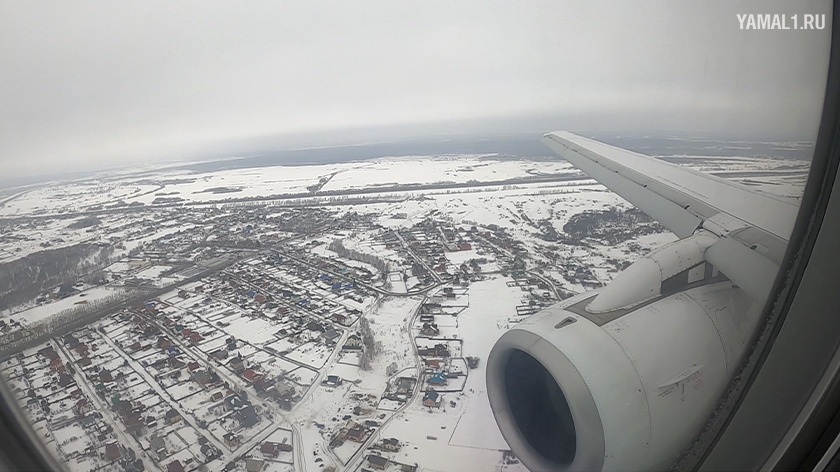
point(753, 227)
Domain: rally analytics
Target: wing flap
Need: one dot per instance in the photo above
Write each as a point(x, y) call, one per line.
point(744, 267)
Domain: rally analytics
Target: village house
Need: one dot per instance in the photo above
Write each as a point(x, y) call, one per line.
point(284, 389)
point(56, 366)
point(202, 377)
point(250, 375)
point(353, 342)
point(332, 381)
point(437, 380)
point(247, 416)
point(172, 416)
point(81, 349)
point(105, 376)
point(195, 338)
point(48, 352)
point(356, 433)
point(432, 399)
point(237, 364)
point(270, 449)
point(377, 462)
point(219, 354)
point(430, 329)
point(112, 452)
point(391, 444)
point(231, 440)
point(330, 335)
point(253, 465)
point(175, 466)
point(158, 445)
point(439, 350)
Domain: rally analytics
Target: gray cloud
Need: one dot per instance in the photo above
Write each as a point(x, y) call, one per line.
point(86, 84)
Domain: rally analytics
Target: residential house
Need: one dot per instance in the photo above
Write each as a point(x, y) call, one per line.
point(253, 465)
point(209, 451)
point(49, 352)
point(357, 433)
point(202, 377)
point(247, 416)
point(406, 467)
point(391, 444)
point(231, 440)
point(175, 466)
point(250, 375)
point(377, 462)
point(330, 335)
point(64, 380)
point(439, 350)
point(112, 452)
point(219, 354)
point(82, 406)
point(270, 449)
point(313, 326)
point(262, 384)
point(56, 366)
point(437, 379)
point(158, 445)
point(172, 416)
point(284, 389)
point(332, 381)
point(432, 399)
point(353, 342)
point(237, 364)
point(81, 349)
point(430, 329)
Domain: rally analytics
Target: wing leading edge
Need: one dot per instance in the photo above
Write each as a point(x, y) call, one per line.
point(753, 227)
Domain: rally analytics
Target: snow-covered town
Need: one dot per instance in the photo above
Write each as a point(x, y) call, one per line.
point(300, 318)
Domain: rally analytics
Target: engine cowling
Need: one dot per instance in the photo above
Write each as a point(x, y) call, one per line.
point(571, 393)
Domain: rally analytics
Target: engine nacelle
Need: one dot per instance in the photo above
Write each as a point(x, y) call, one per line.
point(572, 392)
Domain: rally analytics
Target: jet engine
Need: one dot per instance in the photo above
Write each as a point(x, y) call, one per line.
point(627, 389)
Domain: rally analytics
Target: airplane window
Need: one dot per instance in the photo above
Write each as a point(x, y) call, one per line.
point(366, 236)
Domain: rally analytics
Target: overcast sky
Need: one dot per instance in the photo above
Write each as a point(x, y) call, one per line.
point(88, 84)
